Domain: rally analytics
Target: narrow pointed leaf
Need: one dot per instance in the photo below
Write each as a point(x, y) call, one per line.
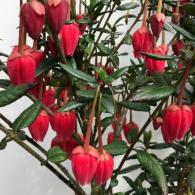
point(137, 106)
point(127, 6)
point(71, 106)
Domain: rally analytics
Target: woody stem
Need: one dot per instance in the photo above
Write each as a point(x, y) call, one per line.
point(183, 83)
point(89, 125)
point(21, 34)
point(99, 126)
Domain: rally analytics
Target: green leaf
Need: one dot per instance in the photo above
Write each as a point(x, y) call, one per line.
point(115, 60)
point(158, 57)
point(11, 94)
point(88, 94)
point(47, 65)
point(127, 39)
point(147, 138)
point(129, 169)
point(132, 184)
point(4, 83)
point(137, 106)
point(107, 102)
point(154, 168)
point(191, 179)
point(79, 74)
point(106, 122)
point(103, 49)
point(3, 143)
point(189, 8)
point(183, 32)
point(56, 155)
point(71, 106)
point(113, 182)
point(27, 116)
point(127, 6)
point(116, 148)
point(152, 93)
point(118, 73)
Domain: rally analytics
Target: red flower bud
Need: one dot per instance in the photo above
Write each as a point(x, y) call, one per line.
point(21, 68)
point(157, 122)
point(193, 121)
point(49, 97)
point(58, 11)
point(176, 18)
point(33, 17)
point(104, 168)
point(58, 141)
point(109, 70)
point(111, 137)
point(176, 122)
point(154, 65)
point(157, 23)
point(38, 56)
point(69, 35)
point(128, 130)
point(64, 123)
point(84, 164)
point(39, 127)
point(142, 41)
point(82, 27)
point(177, 46)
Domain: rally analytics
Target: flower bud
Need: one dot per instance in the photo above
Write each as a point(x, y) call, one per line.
point(157, 23)
point(111, 137)
point(64, 123)
point(21, 68)
point(39, 127)
point(142, 41)
point(69, 35)
point(104, 168)
point(82, 27)
point(130, 130)
point(33, 17)
point(58, 11)
point(157, 122)
point(177, 46)
point(84, 163)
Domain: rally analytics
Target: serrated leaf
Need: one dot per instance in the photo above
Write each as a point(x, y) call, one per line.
point(108, 104)
point(27, 116)
point(152, 93)
point(79, 74)
point(154, 168)
point(127, 6)
point(56, 155)
point(116, 148)
point(71, 106)
point(183, 32)
point(11, 94)
point(118, 73)
point(137, 106)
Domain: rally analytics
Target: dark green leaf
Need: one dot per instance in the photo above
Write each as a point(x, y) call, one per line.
point(103, 49)
point(115, 60)
point(106, 122)
point(56, 155)
point(154, 168)
point(27, 116)
point(3, 143)
point(189, 8)
point(132, 184)
point(88, 94)
point(114, 182)
point(11, 94)
point(108, 104)
point(79, 74)
point(127, 6)
point(191, 179)
point(71, 106)
point(158, 57)
point(129, 169)
point(158, 146)
point(118, 73)
point(137, 106)
point(152, 93)
point(116, 148)
point(4, 83)
point(147, 138)
point(183, 32)
point(127, 39)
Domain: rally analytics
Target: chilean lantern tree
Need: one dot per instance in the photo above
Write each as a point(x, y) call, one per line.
point(79, 88)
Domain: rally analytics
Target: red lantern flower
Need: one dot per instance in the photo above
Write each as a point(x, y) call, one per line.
point(104, 168)
point(39, 127)
point(177, 46)
point(58, 11)
point(111, 137)
point(49, 97)
point(69, 35)
point(157, 23)
point(33, 17)
point(84, 163)
point(38, 56)
point(130, 130)
point(64, 123)
point(193, 121)
point(142, 41)
point(21, 68)
point(176, 122)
